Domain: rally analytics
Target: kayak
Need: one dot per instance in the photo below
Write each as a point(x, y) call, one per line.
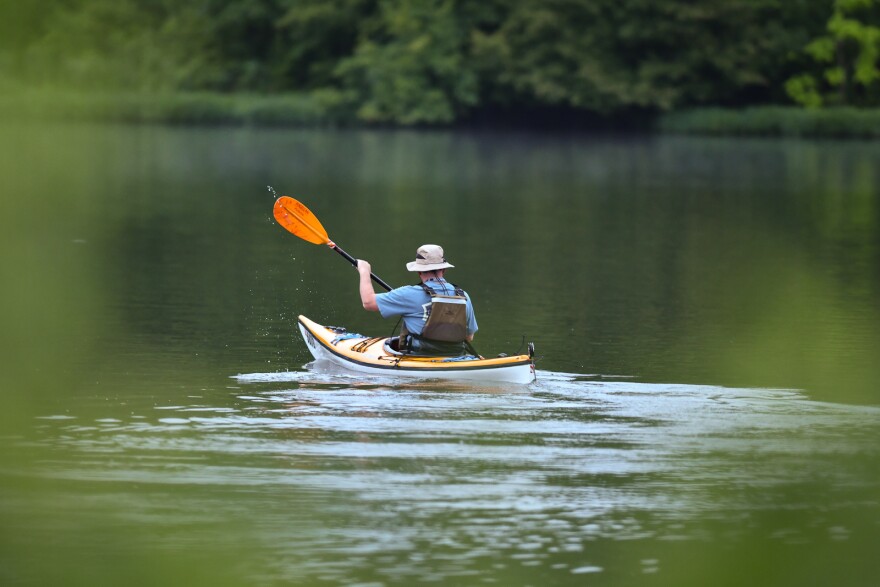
point(377, 356)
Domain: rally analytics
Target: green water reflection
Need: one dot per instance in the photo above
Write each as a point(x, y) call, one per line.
point(141, 269)
point(709, 261)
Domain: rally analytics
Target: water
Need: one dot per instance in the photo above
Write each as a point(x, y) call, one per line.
point(706, 411)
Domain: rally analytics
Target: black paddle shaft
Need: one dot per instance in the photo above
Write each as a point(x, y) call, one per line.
point(354, 262)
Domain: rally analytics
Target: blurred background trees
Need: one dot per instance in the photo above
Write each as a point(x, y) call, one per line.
point(440, 61)
point(847, 59)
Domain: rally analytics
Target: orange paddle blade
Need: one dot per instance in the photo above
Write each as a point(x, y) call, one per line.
point(299, 220)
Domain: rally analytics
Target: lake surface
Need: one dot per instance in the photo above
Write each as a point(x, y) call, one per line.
point(706, 312)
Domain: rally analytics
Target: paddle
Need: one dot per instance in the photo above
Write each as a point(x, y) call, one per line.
point(299, 220)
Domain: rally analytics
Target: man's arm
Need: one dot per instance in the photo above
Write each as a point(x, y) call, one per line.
point(368, 296)
point(471, 319)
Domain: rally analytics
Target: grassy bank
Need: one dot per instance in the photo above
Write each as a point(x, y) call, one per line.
point(775, 121)
point(172, 108)
point(328, 109)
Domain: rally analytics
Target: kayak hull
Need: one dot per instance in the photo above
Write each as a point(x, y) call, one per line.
point(371, 355)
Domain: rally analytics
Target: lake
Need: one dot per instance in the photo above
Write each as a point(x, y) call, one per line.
point(706, 314)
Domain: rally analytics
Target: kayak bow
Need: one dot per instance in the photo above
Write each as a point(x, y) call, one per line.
point(375, 356)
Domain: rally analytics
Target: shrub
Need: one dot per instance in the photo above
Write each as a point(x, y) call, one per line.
point(775, 121)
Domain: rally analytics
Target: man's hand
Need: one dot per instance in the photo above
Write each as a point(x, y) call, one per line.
point(365, 287)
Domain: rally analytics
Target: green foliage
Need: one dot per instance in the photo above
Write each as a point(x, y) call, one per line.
point(612, 54)
point(313, 36)
point(842, 122)
point(169, 108)
point(101, 44)
point(416, 62)
point(803, 89)
point(411, 68)
point(847, 56)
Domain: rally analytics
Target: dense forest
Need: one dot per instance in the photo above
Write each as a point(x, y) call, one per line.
point(441, 61)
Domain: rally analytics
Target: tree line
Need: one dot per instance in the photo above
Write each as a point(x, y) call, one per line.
point(441, 61)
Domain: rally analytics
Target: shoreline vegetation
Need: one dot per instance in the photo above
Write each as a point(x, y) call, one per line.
point(775, 121)
point(173, 108)
point(757, 68)
point(305, 110)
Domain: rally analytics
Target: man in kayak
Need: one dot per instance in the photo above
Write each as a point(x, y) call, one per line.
point(438, 317)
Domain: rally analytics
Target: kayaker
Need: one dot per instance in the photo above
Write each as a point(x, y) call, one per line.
point(438, 316)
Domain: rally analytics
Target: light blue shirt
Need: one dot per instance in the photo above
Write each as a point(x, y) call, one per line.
point(411, 302)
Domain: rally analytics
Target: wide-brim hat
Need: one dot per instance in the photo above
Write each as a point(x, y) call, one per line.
point(429, 258)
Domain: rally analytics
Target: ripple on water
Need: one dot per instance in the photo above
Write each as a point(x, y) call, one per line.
point(396, 469)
